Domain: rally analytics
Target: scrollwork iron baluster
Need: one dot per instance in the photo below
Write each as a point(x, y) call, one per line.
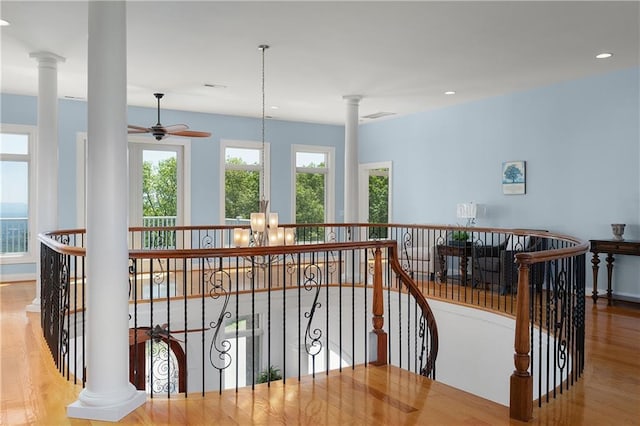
point(313, 336)
point(219, 356)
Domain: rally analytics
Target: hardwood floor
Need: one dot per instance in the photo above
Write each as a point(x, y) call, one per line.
point(33, 392)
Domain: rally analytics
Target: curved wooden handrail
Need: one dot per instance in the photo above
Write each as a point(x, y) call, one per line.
point(530, 258)
point(424, 306)
point(61, 247)
point(521, 385)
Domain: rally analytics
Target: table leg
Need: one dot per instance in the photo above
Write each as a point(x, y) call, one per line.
point(463, 266)
point(443, 270)
point(610, 261)
point(595, 261)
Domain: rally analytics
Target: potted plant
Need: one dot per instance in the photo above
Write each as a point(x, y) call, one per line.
point(459, 237)
point(269, 375)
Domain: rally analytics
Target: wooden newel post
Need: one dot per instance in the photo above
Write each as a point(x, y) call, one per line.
point(379, 336)
point(521, 389)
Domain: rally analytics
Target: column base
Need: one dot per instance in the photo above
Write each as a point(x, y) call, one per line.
point(109, 413)
point(34, 306)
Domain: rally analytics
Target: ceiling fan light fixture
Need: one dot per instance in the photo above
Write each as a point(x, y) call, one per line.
point(159, 132)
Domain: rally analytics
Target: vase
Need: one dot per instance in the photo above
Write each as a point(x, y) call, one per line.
point(618, 230)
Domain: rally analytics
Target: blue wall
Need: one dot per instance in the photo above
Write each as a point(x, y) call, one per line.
point(205, 155)
point(580, 140)
point(581, 144)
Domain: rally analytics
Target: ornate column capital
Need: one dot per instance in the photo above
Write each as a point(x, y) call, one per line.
point(45, 58)
point(352, 99)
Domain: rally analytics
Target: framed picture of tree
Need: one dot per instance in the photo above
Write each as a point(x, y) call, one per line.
point(513, 177)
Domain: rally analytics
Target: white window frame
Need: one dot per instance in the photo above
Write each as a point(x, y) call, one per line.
point(364, 172)
point(265, 170)
point(184, 177)
point(328, 171)
point(181, 147)
point(30, 158)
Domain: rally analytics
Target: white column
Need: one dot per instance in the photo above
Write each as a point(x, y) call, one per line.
point(351, 159)
point(46, 154)
point(351, 182)
point(108, 395)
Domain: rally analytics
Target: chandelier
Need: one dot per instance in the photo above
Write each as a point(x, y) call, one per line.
point(264, 224)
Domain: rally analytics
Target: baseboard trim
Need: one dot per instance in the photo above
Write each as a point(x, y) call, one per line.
point(12, 278)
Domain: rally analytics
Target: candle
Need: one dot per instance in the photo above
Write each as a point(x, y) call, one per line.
point(273, 220)
point(289, 236)
point(257, 222)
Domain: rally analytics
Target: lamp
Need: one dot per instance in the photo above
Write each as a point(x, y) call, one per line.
point(467, 211)
point(264, 224)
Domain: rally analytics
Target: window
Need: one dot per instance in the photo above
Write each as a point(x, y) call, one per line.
point(314, 184)
point(375, 196)
point(159, 189)
point(243, 179)
point(157, 365)
point(163, 372)
point(17, 194)
point(159, 186)
point(245, 337)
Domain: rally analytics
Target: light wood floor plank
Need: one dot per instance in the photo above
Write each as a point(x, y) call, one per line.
point(33, 392)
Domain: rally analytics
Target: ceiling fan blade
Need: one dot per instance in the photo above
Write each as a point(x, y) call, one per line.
point(191, 330)
point(175, 128)
point(137, 129)
point(132, 127)
point(190, 134)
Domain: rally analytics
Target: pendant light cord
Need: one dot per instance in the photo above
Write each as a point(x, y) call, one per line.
point(263, 47)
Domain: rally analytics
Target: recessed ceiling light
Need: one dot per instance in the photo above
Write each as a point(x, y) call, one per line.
point(4, 23)
point(604, 55)
point(275, 107)
point(450, 92)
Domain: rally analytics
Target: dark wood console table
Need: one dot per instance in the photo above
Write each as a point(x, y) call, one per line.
point(463, 250)
point(611, 247)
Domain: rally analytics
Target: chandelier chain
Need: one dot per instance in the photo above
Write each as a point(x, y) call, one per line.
point(262, 48)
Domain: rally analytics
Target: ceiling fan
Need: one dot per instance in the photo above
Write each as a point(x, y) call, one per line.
point(160, 132)
point(157, 333)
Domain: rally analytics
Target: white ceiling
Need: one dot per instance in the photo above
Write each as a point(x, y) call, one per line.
point(400, 56)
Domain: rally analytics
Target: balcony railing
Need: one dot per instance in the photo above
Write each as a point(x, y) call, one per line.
point(307, 308)
point(14, 235)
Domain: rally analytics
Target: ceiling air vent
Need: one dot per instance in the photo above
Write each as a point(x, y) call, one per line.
point(378, 115)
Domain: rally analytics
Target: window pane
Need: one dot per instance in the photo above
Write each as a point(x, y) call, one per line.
point(242, 156)
point(310, 196)
point(11, 143)
point(242, 193)
point(159, 197)
point(164, 368)
point(378, 199)
point(159, 188)
point(378, 202)
point(14, 206)
point(311, 159)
